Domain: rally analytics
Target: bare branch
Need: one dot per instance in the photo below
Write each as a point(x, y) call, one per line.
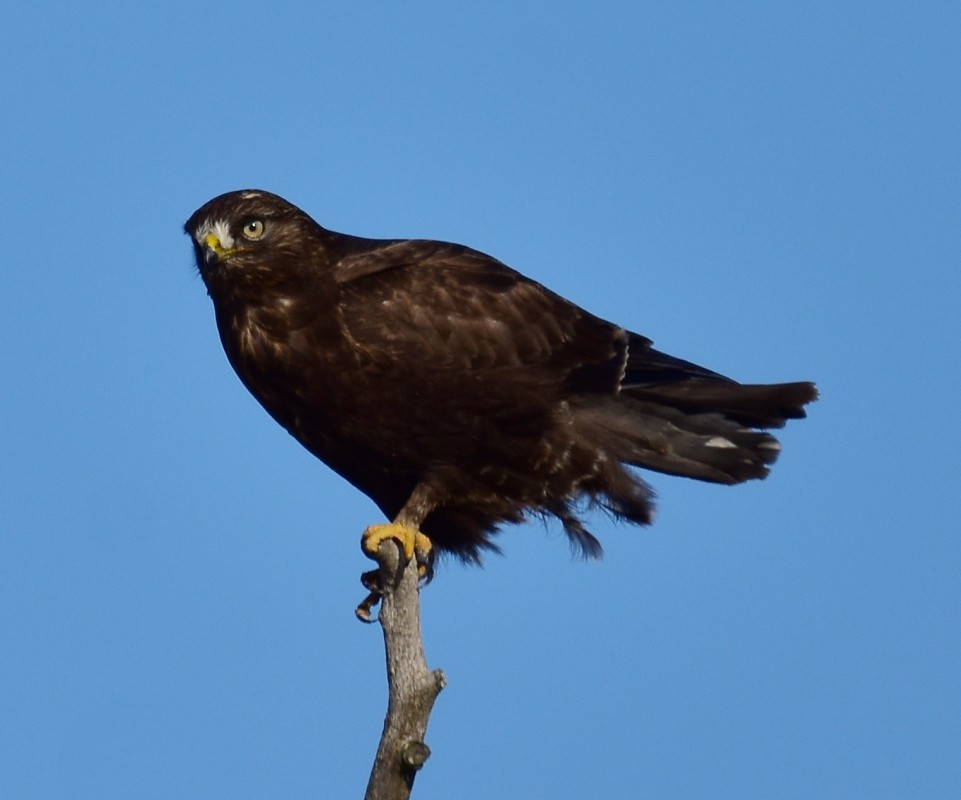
point(412, 687)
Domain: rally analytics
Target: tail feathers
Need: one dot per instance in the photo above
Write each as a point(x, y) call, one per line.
point(752, 405)
point(705, 446)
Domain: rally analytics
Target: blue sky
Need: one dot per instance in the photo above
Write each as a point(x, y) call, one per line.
point(770, 189)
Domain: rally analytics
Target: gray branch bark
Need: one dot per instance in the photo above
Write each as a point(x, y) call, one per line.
point(412, 687)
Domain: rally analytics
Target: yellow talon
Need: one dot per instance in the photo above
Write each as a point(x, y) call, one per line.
point(410, 539)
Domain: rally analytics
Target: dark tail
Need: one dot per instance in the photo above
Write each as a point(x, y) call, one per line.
point(753, 405)
point(701, 429)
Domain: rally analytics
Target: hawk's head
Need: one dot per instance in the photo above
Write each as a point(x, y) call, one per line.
point(250, 237)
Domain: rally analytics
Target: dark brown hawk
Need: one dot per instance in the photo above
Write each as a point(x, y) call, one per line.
point(456, 393)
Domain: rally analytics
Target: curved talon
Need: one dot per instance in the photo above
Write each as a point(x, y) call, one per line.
point(371, 581)
point(423, 548)
point(363, 609)
point(425, 567)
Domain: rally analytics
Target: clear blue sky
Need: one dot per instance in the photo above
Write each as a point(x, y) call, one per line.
point(771, 189)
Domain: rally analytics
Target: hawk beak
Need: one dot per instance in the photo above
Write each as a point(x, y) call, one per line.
point(213, 250)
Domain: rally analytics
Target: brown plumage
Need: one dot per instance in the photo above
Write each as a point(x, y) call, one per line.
point(455, 392)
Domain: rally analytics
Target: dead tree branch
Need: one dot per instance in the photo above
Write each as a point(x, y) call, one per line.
point(412, 687)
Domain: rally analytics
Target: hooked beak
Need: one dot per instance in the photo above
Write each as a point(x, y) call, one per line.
point(214, 251)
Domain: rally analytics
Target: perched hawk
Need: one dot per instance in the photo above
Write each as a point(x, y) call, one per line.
point(456, 393)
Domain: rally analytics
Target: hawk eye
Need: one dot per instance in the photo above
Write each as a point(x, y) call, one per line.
point(253, 229)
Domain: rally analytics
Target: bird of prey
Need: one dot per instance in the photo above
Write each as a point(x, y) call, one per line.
point(458, 394)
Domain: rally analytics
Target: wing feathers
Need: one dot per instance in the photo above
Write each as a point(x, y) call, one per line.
point(754, 405)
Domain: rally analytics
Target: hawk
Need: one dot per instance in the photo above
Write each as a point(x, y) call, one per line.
point(458, 394)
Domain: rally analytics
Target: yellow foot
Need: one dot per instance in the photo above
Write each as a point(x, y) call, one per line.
point(411, 540)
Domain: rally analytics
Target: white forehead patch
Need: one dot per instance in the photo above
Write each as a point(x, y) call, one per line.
point(251, 195)
point(218, 228)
